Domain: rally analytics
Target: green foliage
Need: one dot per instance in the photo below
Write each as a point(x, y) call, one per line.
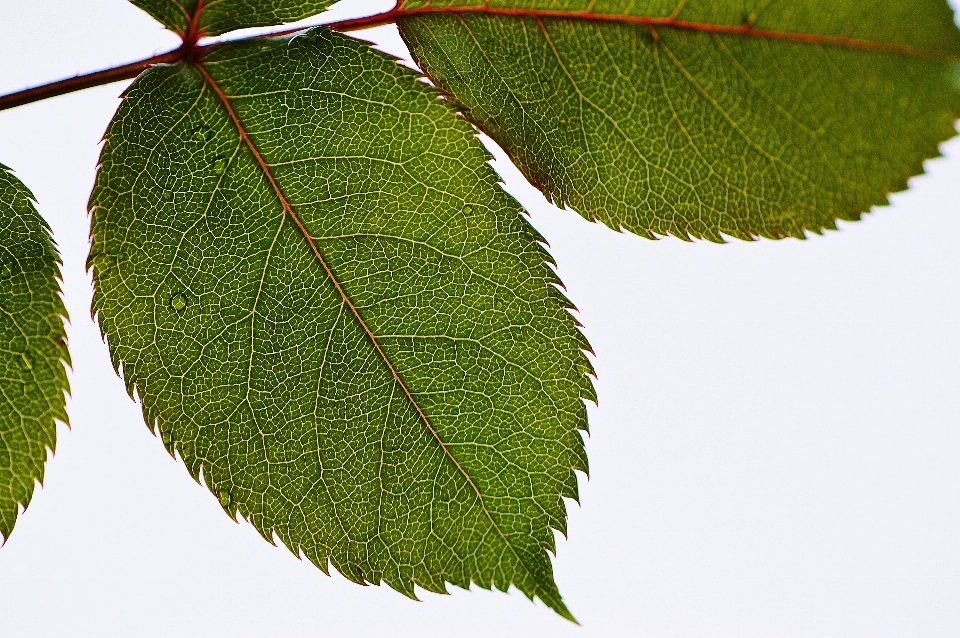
point(311, 278)
point(350, 331)
point(659, 130)
point(33, 381)
point(214, 17)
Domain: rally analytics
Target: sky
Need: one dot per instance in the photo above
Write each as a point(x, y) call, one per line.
point(774, 453)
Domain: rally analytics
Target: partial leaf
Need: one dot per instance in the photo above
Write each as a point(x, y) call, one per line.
point(330, 309)
point(33, 348)
point(699, 118)
point(214, 17)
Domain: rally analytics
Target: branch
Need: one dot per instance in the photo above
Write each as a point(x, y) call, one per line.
point(189, 51)
point(132, 70)
point(98, 78)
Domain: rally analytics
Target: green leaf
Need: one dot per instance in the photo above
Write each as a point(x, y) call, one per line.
point(700, 118)
point(33, 380)
point(330, 308)
point(214, 17)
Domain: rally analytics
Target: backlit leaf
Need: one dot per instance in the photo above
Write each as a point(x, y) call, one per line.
point(214, 17)
point(33, 349)
point(702, 117)
point(330, 309)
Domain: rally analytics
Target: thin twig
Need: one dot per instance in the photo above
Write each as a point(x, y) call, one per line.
point(189, 50)
point(86, 81)
point(133, 69)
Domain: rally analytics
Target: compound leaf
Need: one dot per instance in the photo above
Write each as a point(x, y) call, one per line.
point(699, 118)
point(329, 307)
point(214, 17)
point(33, 380)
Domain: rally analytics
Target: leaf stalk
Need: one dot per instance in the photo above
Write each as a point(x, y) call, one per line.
point(191, 51)
point(86, 81)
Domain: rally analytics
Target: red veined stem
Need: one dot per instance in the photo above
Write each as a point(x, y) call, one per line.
point(348, 302)
point(80, 82)
point(190, 49)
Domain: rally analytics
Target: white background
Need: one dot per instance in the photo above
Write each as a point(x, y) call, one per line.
point(776, 451)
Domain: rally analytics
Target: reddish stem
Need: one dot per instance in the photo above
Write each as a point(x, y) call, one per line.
point(193, 35)
point(670, 22)
point(98, 78)
point(191, 51)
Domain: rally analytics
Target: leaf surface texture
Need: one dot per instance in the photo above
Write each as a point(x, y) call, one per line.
point(339, 317)
point(215, 17)
point(33, 380)
point(702, 118)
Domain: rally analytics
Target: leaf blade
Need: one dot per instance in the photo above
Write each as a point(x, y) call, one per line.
point(427, 268)
point(216, 18)
point(33, 380)
point(662, 129)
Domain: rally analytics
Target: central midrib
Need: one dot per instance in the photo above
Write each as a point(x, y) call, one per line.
point(288, 209)
point(745, 29)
